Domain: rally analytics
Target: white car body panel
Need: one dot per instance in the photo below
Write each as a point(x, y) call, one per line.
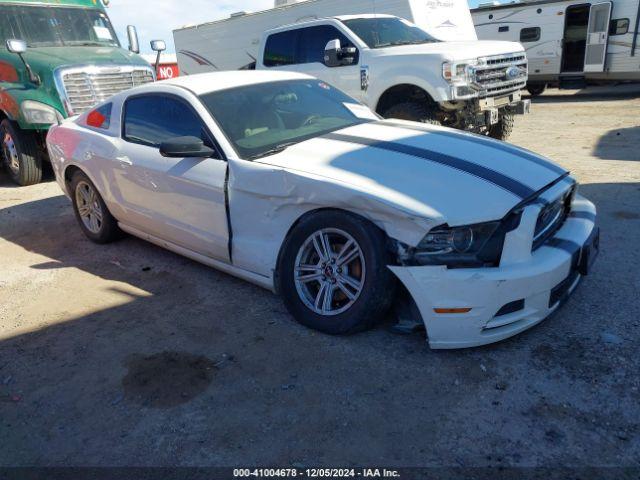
point(404, 177)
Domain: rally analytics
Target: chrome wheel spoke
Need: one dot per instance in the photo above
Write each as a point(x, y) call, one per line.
point(89, 209)
point(349, 252)
point(329, 271)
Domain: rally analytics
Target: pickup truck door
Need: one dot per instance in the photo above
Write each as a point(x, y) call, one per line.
point(180, 200)
point(302, 50)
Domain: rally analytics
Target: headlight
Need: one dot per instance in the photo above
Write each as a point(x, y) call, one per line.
point(39, 113)
point(459, 73)
point(468, 246)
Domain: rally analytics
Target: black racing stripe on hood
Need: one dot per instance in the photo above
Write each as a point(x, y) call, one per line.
point(477, 139)
point(507, 183)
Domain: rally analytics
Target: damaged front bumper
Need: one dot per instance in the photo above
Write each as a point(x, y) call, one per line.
point(525, 289)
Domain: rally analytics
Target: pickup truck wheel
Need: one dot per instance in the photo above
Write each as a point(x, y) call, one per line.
point(413, 111)
point(333, 273)
point(536, 89)
point(503, 129)
point(92, 214)
point(20, 154)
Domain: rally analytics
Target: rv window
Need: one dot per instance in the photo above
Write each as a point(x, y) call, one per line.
point(619, 26)
point(531, 34)
point(503, 29)
point(281, 49)
point(313, 41)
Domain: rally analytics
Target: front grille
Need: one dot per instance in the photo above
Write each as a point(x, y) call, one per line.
point(501, 74)
point(85, 88)
point(551, 218)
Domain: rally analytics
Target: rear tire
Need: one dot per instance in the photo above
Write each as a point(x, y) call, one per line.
point(503, 129)
point(536, 89)
point(413, 111)
point(92, 214)
point(19, 152)
point(352, 273)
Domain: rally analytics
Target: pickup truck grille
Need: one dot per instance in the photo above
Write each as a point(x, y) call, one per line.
point(86, 87)
point(501, 74)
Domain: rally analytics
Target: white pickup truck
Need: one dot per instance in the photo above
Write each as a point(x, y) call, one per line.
point(400, 71)
point(395, 67)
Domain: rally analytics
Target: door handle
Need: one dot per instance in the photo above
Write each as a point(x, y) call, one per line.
point(124, 161)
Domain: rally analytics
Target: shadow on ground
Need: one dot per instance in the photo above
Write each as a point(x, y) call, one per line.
point(192, 367)
point(619, 144)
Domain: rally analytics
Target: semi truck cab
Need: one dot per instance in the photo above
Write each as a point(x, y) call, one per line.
point(58, 58)
point(401, 71)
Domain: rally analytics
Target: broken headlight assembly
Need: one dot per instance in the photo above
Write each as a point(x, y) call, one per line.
point(478, 245)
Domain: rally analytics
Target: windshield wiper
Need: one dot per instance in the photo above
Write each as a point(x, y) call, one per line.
point(272, 151)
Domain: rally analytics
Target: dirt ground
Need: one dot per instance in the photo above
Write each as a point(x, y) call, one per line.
point(127, 354)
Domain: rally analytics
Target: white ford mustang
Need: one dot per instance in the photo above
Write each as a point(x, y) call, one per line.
point(282, 180)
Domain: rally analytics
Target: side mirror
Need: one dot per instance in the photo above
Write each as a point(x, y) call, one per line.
point(158, 46)
point(185, 147)
point(16, 46)
point(19, 47)
point(336, 56)
point(132, 34)
point(332, 53)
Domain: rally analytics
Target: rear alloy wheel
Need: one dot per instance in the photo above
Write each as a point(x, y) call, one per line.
point(333, 273)
point(91, 212)
point(19, 152)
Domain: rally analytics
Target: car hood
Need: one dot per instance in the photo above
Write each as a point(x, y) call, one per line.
point(454, 51)
point(424, 170)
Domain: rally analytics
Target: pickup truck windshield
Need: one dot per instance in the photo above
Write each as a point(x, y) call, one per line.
point(42, 26)
point(264, 119)
point(387, 32)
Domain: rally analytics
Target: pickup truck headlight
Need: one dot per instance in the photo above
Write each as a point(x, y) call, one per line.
point(39, 113)
point(459, 73)
point(467, 246)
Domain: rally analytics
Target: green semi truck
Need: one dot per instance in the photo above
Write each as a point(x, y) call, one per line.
point(58, 58)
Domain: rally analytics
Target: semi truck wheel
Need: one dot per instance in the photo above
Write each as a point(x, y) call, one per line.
point(536, 89)
point(413, 111)
point(20, 154)
point(502, 130)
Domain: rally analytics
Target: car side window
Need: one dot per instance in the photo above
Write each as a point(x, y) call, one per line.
point(280, 49)
point(313, 41)
point(152, 119)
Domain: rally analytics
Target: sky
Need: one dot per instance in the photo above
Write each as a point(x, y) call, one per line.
point(156, 19)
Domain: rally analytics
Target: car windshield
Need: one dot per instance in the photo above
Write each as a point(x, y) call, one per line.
point(388, 32)
point(266, 118)
point(41, 26)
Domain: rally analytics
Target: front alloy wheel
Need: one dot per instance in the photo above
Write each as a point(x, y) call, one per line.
point(330, 271)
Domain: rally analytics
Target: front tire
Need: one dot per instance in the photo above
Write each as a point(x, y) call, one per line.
point(92, 214)
point(503, 129)
point(536, 89)
point(19, 152)
point(333, 273)
point(413, 111)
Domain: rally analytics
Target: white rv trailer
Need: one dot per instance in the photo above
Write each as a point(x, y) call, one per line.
point(238, 37)
point(569, 43)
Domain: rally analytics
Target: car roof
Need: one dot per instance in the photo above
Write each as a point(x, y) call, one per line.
point(212, 82)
